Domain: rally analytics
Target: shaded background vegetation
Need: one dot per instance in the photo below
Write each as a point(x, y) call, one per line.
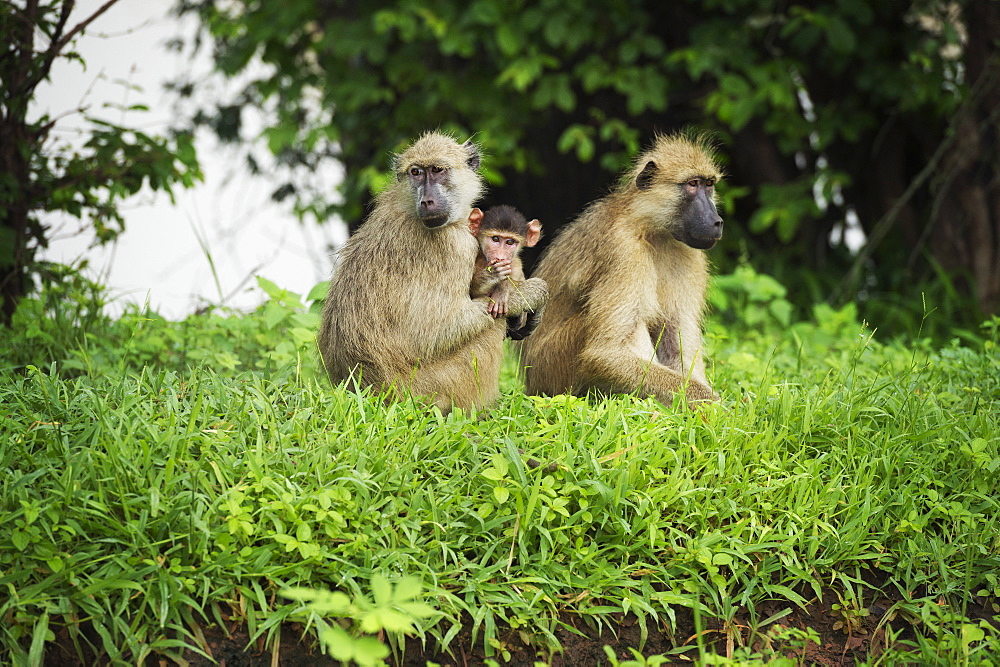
point(838, 119)
point(829, 114)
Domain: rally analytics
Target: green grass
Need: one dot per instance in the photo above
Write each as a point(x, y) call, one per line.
point(149, 490)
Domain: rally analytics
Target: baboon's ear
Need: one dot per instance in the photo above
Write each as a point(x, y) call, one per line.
point(534, 233)
point(473, 152)
point(644, 180)
point(475, 220)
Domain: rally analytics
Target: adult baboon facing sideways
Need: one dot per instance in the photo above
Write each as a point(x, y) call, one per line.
point(398, 316)
point(627, 283)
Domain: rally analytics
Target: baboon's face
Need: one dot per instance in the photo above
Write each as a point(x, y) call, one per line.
point(700, 223)
point(439, 178)
point(499, 245)
point(685, 208)
point(430, 187)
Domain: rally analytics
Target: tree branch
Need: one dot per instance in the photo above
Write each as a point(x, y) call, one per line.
point(83, 24)
point(26, 45)
point(886, 222)
point(60, 41)
point(50, 53)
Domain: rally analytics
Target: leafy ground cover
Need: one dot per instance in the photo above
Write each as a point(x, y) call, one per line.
point(195, 492)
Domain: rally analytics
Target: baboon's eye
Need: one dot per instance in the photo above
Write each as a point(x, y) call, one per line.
point(693, 182)
point(709, 182)
point(511, 242)
point(415, 171)
point(437, 170)
point(496, 239)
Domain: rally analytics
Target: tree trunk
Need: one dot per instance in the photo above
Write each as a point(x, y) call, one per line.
point(965, 237)
point(14, 255)
point(15, 68)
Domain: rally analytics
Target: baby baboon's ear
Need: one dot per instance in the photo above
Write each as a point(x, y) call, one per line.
point(534, 233)
point(475, 220)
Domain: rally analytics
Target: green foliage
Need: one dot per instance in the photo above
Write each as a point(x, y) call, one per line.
point(775, 646)
point(824, 111)
point(851, 612)
point(116, 163)
point(65, 326)
point(639, 661)
point(948, 638)
point(150, 493)
point(750, 299)
point(53, 324)
point(40, 177)
point(394, 609)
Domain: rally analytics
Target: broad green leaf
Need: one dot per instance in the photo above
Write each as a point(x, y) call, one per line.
point(370, 651)
point(408, 588)
point(381, 590)
point(318, 292)
point(20, 539)
point(39, 635)
point(840, 35)
point(508, 39)
point(501, 493)
point(303, 532)
point(340, 644)
point(493, 474)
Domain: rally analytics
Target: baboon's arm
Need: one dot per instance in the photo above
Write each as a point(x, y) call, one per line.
point(447, 329)
point(483, 281)
point(525, 296)
point(618, 355)
point(622, 369)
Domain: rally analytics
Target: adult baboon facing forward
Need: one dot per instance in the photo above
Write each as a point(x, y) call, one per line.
point(627, 283)
point(398, 315)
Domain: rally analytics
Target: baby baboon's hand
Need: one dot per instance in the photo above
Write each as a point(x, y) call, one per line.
point(499, 299)
point(501, 268)
point(498, 307)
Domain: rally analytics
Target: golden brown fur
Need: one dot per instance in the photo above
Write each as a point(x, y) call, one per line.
point(626, 296)
point(398, 316)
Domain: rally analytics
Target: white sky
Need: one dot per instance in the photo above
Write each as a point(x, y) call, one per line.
point(159, 258)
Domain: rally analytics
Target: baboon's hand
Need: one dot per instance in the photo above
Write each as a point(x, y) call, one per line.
point(698, 393)
point(498, 307)
point(501, 268)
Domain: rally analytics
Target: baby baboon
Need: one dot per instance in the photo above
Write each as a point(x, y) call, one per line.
point(502, 231)
point(627, 281)
point(398, 316)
